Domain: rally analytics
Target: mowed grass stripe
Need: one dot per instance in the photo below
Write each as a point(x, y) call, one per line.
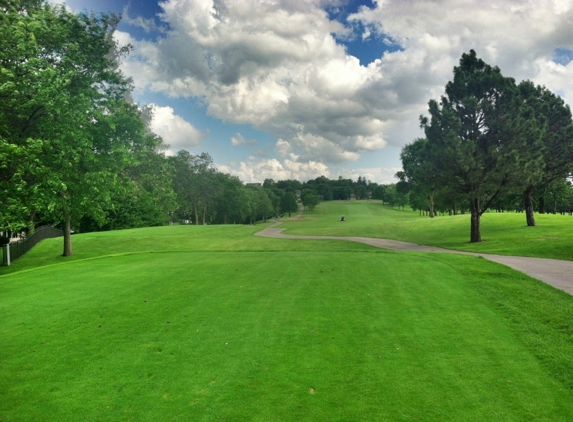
point(267, 336)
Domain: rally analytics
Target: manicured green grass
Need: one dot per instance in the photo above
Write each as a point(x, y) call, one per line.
point(163, 239)
point(213, 323)
point(502, 233)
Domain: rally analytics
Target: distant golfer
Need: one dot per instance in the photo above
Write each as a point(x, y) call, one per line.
point(342, 218)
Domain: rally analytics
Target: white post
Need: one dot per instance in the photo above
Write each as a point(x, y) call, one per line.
point(8, 254)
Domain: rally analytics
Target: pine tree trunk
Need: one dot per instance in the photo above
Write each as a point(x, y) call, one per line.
point(475, 233)
point(542, 202)
point(431, 198)
point(528, 196)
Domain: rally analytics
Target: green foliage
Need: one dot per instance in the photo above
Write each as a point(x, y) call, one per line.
point(288, 203)
point(232, 204)
point(420, 175)
point(289, 185)
point(553, 117)
point(489, 140)
point(260, 205)
point(309, 199)
point(68, 134)
point(195, 183)
point(483, 141)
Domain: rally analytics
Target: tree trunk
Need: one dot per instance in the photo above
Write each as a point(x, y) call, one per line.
point(32, 223)
point(67, 235)
point(475, 233)
point(431, 198)
point(528, 197)
point(204, 212)
point(67, 226)
point(542, 202)
point(196, 215)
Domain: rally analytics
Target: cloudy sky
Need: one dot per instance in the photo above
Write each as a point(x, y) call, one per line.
point(301, 88)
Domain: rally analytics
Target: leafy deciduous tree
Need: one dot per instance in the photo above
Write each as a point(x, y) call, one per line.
point(60, 89)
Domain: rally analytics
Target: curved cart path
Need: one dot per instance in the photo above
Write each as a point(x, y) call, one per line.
point(555, 272)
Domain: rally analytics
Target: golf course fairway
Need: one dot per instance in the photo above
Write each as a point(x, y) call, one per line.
point(211, 323)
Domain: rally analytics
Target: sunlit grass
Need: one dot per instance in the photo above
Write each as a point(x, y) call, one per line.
point(214, 323)
point(502, 233)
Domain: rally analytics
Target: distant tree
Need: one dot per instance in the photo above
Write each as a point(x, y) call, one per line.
point(232, 203)
point(553, 117)
point(360, 191)
point(269, 184)
point(182, 180)
point(274, 196)
point(420, 172)
point(195, 184)
point(260, 205)
point(558, 196)
point(309, 199)
point(289, 185)
point(379, 192)
point(288, 203)
point(390, 195)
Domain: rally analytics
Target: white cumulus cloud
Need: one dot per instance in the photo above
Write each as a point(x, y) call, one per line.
point(277, 65)
point(256, 170)
point(176, 132)
point(239, 139)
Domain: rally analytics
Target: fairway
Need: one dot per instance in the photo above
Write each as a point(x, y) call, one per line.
point(212, 323)
point(503, 233)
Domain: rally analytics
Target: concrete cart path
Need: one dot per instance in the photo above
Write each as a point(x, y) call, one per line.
point(555, 272)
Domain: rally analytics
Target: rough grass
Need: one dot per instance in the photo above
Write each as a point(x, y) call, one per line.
point(502, 233)
point(213, 323)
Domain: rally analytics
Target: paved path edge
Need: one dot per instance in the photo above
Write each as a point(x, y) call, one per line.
point(555, 272)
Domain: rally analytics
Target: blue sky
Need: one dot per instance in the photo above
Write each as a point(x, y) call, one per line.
point(303, 88)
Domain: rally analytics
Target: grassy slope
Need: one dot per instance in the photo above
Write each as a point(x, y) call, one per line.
point(212, 323)
point(502, 233)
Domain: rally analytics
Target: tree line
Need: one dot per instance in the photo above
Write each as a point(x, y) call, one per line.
point(491, 143)
point(77, 151)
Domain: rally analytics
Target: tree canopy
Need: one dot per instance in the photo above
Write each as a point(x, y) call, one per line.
point(486, 139)
point(68, 130)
